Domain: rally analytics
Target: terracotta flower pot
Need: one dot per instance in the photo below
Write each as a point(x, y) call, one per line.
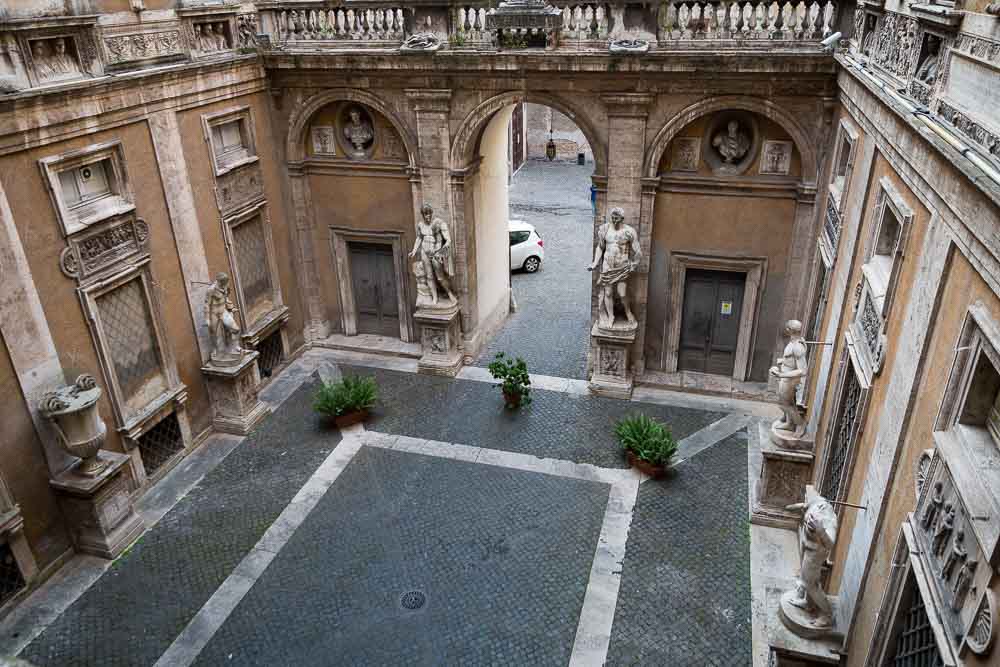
point(511, 400)
point(350, 418)
point(651, 469)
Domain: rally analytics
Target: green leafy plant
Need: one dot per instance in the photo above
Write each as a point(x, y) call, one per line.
point(514, 379)
point(647, 438)
point(351, 394)
point(457, 39)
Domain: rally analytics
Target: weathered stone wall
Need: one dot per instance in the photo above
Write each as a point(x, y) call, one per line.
point(569, 139)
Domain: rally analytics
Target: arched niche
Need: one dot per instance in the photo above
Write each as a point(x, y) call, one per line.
point(353, 131)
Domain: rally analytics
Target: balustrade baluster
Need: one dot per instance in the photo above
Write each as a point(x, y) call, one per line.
point(786, 20)
point(828, 11)
point(773, 12)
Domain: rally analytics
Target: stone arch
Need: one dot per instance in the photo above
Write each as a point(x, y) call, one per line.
point(466, 136)
point(301, 117)
point(755, 104)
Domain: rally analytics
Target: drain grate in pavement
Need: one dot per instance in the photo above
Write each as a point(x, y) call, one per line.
point(412, 600)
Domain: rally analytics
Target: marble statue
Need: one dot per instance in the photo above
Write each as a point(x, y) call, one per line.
point(220, 37)
point(943, 532)
point(791, 370)
point(618, 247)
point(933, 508)
point(359, 132)
point(927, 72)
point(732, 144)
point(433, 250)
point(817, 536)
point(208, 41)
point(628, 45)
point(223, 330)
point(424, 298)
point(421, 41)
point(956, 556)
point(962, 583)
point(54, 64)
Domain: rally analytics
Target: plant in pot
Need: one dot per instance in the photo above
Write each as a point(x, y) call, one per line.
point(346, 402)
point(648, 444)
point(515, 383)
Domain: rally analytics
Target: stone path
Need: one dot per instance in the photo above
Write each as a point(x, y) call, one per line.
point(445, 531)
point(551, 327)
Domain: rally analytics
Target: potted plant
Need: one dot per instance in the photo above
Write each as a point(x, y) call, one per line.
point(347, 401)
point(648, 444)
point(515, 383)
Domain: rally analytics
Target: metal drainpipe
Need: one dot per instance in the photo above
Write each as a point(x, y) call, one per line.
point(924, 116)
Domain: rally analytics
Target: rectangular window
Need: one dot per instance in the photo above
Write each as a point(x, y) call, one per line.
point(227, 137)
point(231, 138)
point(88, 186)
point(253, 267)
point(913, 644)
point(841, 445)
point(86, 183)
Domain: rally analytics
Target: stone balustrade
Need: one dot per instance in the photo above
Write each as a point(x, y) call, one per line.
point(680, 21)
point(365, 24)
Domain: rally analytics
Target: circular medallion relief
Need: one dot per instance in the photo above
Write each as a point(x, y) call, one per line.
point(731, 142)
point(357, 132)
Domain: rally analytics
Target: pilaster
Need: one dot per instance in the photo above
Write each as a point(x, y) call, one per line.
point(317, 323)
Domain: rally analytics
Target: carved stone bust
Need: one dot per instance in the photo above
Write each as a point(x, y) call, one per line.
point(359, 133)
point(733, 143)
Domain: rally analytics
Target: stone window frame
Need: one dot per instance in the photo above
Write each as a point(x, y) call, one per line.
point(120, 201)
point(755, 269)
point(848, 364)
point(278, 314)
point(133, 424)
point(81, 30)
point(846, 132)
point(12, 533)
point(339, 238)
point(883, 275)
point(906, 563)
point(244, 115)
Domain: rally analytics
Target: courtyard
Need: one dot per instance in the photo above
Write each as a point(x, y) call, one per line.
point(444, 531)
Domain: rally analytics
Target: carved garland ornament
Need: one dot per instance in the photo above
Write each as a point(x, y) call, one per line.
point(979, 638)
point(89, 254)
point(923, 470)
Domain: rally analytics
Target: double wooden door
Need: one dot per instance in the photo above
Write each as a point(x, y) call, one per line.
point(710, 322)
point(373, 275)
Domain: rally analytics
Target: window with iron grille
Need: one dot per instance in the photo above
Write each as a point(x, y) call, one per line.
point(127, 328)
point(914, 645)
point(11, 580)
point(250, 251)
point(161, 443)
point(819, 303)
point(272, 353)
point(843, 434)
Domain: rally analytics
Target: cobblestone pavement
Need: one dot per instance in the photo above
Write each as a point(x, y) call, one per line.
point(551, 327)
point(556, 425)
point(685, 591)
point(501, 558)
point(133, 613)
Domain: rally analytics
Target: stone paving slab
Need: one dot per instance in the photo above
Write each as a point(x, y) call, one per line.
point(501, 556)
point(556, 425)
point(551, 328)
point(685, 592)
point(146, 598)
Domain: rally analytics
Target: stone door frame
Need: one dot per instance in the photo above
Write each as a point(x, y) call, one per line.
point(755, 269)
point(339, 238)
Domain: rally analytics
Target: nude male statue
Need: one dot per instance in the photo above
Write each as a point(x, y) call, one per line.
point(817, 535)
point(618, 246)
point(790, 369)
point(433, 249)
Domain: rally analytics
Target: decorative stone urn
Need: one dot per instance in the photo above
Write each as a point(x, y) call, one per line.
point(73, 411)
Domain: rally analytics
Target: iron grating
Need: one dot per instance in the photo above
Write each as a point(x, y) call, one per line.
point(412, 600)
point(915, 644)
point(843, 436)
point(161, 443)
point(272, 353)
point(127, 328)
point(11, 580)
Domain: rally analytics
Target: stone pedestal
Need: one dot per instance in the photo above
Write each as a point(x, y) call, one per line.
point(612, 374)
point(439, 335)
point(789, 648)
point(233, 390)
point(803, 624)
point(788, 440)
point(783, 477)
point(98, 508)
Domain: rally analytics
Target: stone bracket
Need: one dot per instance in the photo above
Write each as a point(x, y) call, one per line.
point(783, 478)
point(440, 337)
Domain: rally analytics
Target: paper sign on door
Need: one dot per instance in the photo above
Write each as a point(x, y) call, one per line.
point(727, 307)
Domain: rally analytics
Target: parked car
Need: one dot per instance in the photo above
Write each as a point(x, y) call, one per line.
point(526, 248)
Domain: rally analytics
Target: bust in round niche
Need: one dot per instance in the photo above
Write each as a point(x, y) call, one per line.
point(733, 140)
point(357, 131)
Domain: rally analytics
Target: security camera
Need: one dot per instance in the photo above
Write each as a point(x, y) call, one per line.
point(831, 41)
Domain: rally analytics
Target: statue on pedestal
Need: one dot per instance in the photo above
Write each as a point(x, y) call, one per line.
point(790, 369)
point(618, 247)
point(437, 267)
point(223, 330)
point(806, 609)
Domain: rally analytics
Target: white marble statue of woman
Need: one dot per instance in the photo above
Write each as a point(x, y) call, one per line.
point(433, 250)
point(790, 370)
point(817, 537)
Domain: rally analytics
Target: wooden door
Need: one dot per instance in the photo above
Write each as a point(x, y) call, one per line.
point(710, 322)
point(373, 275)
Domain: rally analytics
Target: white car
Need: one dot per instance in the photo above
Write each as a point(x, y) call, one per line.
point(526, 248)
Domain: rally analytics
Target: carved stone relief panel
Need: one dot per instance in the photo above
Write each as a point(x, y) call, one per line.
point(247, 27)
point(59, 51)
point(896, 45)
point(686, 154)
point(776, 158)
point(239, 188)
point(324, 140)
point(104, 246)
point(868, 329)
point(136, 45)
point(212, 31)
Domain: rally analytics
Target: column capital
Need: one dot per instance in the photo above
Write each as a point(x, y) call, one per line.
point(430, 99)
point(628, 104)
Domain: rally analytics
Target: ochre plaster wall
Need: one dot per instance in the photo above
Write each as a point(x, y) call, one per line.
point(197, 152)
point(492, 211)
point(39, 230)
point(23, 468)
point(363, 203)
point(961, 287)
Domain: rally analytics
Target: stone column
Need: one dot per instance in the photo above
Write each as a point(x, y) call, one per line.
point(183, 217)
point(317, 323)
point(801, 255)
point(27, 336)
point(613, 354)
